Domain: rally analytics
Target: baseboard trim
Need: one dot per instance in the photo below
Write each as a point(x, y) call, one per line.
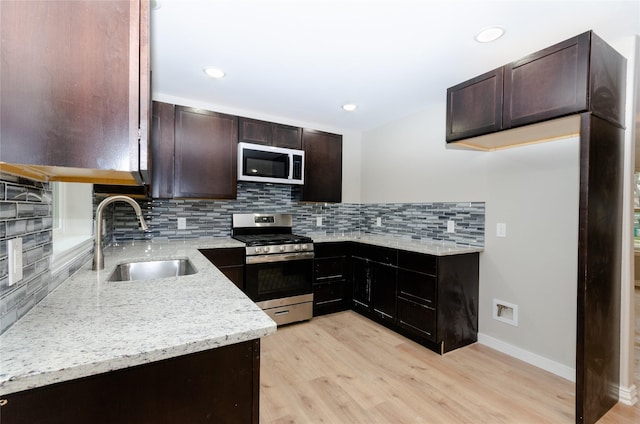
point(629, 395)
point(546, 364)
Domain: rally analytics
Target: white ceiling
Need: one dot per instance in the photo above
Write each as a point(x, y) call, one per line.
point(300, 60)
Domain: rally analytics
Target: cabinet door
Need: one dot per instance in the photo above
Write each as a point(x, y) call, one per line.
point(71, 83)
point(474, 107)
point(361, 274)
point(323, 167)
point(547, 84)
point(286, 136)
point(254, 131)
point(269, 133)
point(383, 291)
point(205, 154)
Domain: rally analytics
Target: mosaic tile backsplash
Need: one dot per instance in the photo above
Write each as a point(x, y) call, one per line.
point(207, 218)
point(26, 212)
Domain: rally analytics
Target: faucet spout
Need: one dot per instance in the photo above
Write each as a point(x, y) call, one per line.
point(98, 255)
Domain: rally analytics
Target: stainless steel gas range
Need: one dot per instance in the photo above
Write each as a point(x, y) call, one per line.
point(278, 267)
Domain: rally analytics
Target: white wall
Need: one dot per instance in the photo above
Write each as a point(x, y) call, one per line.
point(534, 190)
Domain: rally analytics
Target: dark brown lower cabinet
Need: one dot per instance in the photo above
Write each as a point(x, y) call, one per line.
point(430, 299)
point(230, 261)
point(215, 386)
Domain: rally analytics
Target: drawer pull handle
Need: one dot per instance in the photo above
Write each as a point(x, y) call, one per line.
point(281, 313)
point(3, 402)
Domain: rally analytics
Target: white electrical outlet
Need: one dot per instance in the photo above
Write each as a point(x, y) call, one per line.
point(318, 221)
point(14, 247)
point(501, 229)
point(451, 226)
point(182, 223)
point(378, 222)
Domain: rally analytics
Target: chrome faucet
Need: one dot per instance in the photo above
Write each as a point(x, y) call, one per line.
point(98, 256)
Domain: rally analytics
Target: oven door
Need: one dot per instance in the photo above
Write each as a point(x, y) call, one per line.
point(278, 276)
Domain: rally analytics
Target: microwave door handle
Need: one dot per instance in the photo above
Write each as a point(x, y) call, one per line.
point(290, 177)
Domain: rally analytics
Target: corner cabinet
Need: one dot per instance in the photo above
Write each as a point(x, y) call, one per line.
point(194, 153)
point(75, 90)
point(323, 167)
point(230, 261)
point(577, 75)
point(430, 299)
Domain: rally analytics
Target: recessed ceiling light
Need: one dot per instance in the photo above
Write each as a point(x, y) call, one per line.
point(214, 72)
point(489, 34)
point(349, 107)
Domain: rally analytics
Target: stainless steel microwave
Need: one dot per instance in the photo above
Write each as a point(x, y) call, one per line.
point(269, 164)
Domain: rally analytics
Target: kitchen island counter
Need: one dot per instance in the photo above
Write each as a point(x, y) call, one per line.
point(89, 326)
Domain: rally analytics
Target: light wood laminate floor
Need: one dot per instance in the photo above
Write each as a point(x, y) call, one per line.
point(344, 368)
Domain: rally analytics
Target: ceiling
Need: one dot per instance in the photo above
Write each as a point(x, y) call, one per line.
point(298, 61)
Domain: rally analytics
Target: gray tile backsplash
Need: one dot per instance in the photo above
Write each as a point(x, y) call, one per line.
point(208, 218)
point(26, 212)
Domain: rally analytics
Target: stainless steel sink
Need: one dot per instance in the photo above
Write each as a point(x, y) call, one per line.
point(150, 270)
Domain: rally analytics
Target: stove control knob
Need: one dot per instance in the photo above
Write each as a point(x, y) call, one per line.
point(296, 247)
point(265, 249)
point(304, 247)
point(258, 249)
point(283, 248)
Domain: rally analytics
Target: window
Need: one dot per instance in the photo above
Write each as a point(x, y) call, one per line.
point(72, 221)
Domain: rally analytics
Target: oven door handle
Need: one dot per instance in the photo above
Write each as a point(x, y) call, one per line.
point(283, 257)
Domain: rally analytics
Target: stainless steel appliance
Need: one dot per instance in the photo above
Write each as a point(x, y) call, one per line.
point(270, 164)
point(278, 266)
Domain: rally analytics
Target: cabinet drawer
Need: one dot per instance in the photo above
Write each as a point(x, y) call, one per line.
point(382, 255)
point(326, 293)
point(416, 318)
point(324, 250)
point(330, 268)
point(419, 262)
point(225, 257)
point(417, 287)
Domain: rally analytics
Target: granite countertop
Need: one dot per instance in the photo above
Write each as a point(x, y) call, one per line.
point(430, 247)
point(89, 326)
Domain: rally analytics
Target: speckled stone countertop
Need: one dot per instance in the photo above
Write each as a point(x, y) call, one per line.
point(89, 326)
point(430, 247)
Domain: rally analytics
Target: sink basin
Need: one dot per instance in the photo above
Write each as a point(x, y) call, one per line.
point(149, 270)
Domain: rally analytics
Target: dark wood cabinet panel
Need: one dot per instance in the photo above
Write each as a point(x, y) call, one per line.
point(75, 84)
point(205, 154)
point(230, 261)
point(417, 287)
point(269, 133)
point(331, 278)
point(361, 280)
point(474, 107)
point(383, 291)
point(162, 149)
point(417, 319)
point(547, 84)
point(219, 385)
point(323, 167)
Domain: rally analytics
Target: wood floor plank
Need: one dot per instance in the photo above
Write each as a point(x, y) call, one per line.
point(344, 368)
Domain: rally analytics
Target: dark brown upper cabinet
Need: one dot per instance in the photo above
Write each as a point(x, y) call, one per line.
point(475, 106)
point(205, 154)
point(269, 133)
point(75, 97)
point(577, 75)
point(322, 167)
point(194, 152)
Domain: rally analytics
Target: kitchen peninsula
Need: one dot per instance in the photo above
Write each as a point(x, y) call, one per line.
point(184, 346)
